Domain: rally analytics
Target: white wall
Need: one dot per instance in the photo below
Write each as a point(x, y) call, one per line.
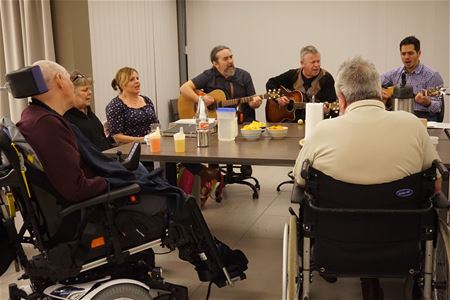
point(266, 36)
point(139, 34)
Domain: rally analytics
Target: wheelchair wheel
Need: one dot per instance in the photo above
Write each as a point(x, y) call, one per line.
point(123, 292)
point(291, 289)
point(441, 274)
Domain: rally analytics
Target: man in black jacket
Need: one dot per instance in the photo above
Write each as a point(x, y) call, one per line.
point(310, 79)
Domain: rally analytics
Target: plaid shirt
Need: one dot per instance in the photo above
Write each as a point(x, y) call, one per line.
point(421, 78)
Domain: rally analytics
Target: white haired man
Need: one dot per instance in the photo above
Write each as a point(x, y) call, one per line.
point(367, 144)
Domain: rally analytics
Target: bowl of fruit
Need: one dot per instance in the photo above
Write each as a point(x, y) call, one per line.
point(277, 131)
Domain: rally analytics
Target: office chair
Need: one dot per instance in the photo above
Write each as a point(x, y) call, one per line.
point(290, 181)
point(173, 110)
point(244, 173)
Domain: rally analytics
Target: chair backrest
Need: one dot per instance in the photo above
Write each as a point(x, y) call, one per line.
point(368, 229)
point(441, 114)
point(173, 110)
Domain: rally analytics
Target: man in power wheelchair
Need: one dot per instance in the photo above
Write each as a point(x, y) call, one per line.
point(92, 221)
point(365, 183)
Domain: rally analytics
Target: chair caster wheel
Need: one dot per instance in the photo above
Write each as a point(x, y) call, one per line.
point(218, 199)
point(255, 196)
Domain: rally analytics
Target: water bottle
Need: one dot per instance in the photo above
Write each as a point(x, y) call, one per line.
point(202, 122)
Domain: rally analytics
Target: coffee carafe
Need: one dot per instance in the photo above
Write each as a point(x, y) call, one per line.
point(403, 98)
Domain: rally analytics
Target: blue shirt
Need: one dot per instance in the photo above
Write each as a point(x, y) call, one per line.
point(422, 77)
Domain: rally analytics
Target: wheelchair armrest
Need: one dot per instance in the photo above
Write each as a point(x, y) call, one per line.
point(111, 195)
point(440, 201)
point(298, 194)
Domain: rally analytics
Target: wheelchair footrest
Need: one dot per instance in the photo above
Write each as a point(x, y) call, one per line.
point(235, 264)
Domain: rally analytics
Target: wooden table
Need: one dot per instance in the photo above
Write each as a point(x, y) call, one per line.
point(265, 151)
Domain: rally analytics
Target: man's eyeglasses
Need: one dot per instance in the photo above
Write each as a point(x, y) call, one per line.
point(76, 77)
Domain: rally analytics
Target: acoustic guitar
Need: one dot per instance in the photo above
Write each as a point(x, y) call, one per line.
point(276, 113)
point(187, 108)
point(434, 91)
point(389, 90)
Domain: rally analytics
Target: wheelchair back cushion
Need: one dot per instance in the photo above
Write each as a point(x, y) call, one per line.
point(410, 192)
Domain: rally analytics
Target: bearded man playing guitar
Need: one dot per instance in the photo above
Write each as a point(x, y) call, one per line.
point(223, 75)
point(308, 81)
point(235, 83)
point(419, 76)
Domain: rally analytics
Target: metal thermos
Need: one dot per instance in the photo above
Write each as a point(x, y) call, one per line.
point(202, 138)
point(404, 98)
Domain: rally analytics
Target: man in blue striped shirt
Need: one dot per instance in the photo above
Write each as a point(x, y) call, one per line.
point(420, 77)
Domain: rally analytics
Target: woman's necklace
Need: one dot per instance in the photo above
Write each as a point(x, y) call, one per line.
point(132, 102)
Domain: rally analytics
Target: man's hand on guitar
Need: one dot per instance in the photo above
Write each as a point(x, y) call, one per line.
point(385, 94)
point(207, 99)
point(326, 108)
point(255, 102)
point(422, 98)
point(283, 101)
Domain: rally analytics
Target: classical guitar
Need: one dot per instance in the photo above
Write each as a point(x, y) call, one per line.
point(187, 108)
point(276, 113)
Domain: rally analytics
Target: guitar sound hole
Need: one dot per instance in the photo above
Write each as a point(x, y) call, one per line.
point(290, 105)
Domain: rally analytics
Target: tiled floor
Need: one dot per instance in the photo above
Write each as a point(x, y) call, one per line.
point(255, 227)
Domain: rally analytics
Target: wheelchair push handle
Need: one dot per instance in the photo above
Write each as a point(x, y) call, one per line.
point(440, 201)
point(305, 169)
point(441, 168)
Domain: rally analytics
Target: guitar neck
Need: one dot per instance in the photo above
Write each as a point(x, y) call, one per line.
point(237, 101)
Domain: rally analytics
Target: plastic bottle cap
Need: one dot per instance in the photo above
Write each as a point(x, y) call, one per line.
point(226, 109)
point(179, 135)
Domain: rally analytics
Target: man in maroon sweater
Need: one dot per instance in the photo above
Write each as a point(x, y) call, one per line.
point(50, 136)
point(55, 144)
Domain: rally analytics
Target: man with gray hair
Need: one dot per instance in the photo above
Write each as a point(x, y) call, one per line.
point(367, 144)
point(73, 167)
point(310, 79)
point(60, 157)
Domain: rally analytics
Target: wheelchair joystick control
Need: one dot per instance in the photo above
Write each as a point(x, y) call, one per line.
point(119, 156)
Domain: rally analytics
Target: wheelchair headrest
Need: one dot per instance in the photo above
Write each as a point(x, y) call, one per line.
point(26, 82)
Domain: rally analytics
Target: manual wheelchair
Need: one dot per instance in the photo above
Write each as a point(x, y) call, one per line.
point(389, 230)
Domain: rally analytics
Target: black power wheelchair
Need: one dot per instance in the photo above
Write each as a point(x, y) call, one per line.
point(389, 230)
point(95, 249)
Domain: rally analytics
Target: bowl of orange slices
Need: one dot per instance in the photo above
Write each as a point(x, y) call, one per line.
point(277, 131)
